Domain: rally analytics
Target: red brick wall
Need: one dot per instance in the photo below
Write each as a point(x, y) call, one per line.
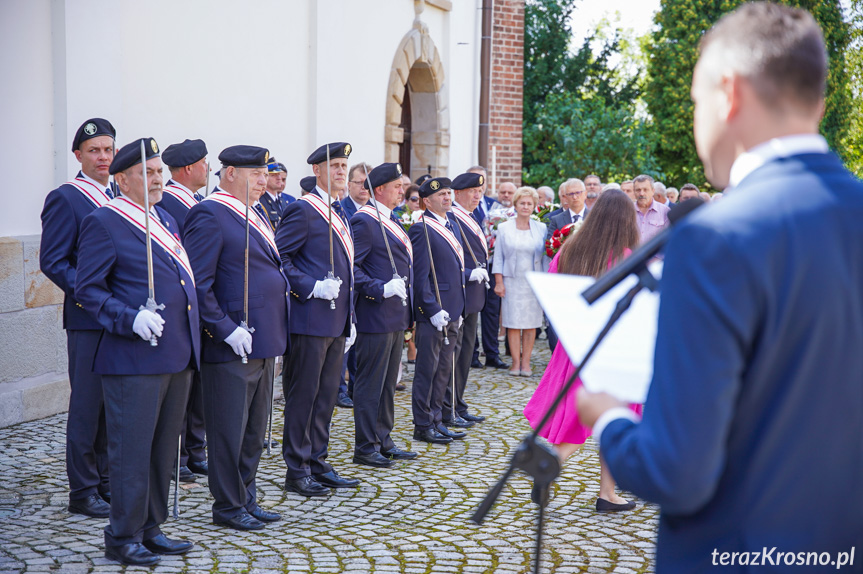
point(507, 79)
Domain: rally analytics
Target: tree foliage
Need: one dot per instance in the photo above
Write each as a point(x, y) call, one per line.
point(853, 144)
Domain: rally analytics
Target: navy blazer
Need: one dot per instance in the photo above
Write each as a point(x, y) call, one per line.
point(560, 221)
point(112, 285)
point(755, 434)
point(216, 241)
point(450, 275)
point(372, 269)
point(478, 213)
point(176, 208)
point(350, 208)
point(474, 292)
point(303, 241)
point(273, 208)
point(64, 210)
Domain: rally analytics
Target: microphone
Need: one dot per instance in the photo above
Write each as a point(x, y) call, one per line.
point(639, 257)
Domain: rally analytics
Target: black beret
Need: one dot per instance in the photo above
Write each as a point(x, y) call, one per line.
point(308, 183)
point(337, 150)
point(183, 154)
point(92, 128)
point(383, 174)
point(244, 156)
point(468, 181)
point(130, 154)
point(433, 185)
point(421, 179)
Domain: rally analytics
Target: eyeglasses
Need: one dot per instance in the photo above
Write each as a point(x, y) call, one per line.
point(358, 182)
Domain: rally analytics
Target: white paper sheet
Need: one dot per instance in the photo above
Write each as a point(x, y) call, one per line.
point(623, 364)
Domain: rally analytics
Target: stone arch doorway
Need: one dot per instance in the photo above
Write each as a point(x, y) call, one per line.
point(417, 129)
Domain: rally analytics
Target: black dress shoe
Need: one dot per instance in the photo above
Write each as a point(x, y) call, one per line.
point(412, 361)
point(273, 444)
point(161, 544)
point(475, 364)
point(431, 435)
point(134, 554)
point(496, 363)
point(106, 496)
point(373, 459)
point(459, 422)
point(344, 401)
point(399, 454)
point(307, 486)
point(187, 475)
point(603, 505)
point(450, 433)
point(201, 468)
point(333, 480)
point(265, 515)
point(400, 386)
point(92, 506)
point(473, 418)
point(244, 521)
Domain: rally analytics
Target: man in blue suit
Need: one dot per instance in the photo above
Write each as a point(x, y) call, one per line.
point(274, 201)
point(239, 350)
point(64, 211)
point(383, 315)
point(145, 357)
point(752, 443)
point(321, 321)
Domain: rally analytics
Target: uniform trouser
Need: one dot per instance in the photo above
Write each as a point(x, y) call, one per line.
point(310, 387)
point(463, 357)
point(86, 441)
point(194, 439)
point(490, 321)
point(350, 365)
point(378, 357)
point(236, 408)
point(432, 372)
point(144, 415)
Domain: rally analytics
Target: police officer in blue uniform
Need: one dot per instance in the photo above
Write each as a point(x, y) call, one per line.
point(274, 200)
point(382, 317)
point(439, 277)
point(237, 362)
point(318, 331)
point(145, 386)
point(65, 208)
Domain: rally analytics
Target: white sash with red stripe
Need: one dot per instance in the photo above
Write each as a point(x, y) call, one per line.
point(339, 226)
point(134, 214)
point(392, 226)
point(471, 223)
point(93, 193)
point(183, 195)
point(433, 224)
point(238, 207)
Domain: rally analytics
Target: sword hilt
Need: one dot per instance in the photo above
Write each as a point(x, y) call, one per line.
point(405, 279)
point(244, 325)
point(330, 275)
point(152, 307)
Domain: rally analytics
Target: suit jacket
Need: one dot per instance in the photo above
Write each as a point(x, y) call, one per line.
point(755, 433)
point(479, 214)
point(112, 285)
point(176, 208)
point(560, 220)
point(504, 251)
point(450, 275)
point(273, 208)
point(303, 242)
point(349, 206)
point(474, 292)
point(372, 269)
point(216, 240)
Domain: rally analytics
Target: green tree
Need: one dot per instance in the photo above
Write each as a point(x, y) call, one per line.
point(854, 59)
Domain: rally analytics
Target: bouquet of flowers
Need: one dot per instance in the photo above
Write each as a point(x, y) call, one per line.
point(541, 213)
point(553, 245)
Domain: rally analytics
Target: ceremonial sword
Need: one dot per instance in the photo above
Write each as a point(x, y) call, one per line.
point(476, 263)
point(434, 274)
point(384, 233)
point(244, 324)
point(332, 272)
point(151, 289)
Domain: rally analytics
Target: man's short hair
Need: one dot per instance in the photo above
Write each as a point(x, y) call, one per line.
point(622, 183)
point(359, 167)
point(779, 49)
point(567, 183)
point(611, 185)
point(476, 168)
point(594, 176)
point(642, 178)
point(546, 191)
point(689, 186)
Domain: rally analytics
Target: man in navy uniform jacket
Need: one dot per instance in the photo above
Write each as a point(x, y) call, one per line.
point(383, 315)
point(65, 209)
point(145, 386)
point(437, 322)
point(752, 442)
point(239, 351)
point(317, 330)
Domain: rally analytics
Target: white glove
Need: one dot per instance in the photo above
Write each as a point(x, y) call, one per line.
point(327, 289)
point(395, 287)
point(147, 324)
point(460, 321)
point(240, 341)
point(349, 342)
point(479, 275)
point(440, 319)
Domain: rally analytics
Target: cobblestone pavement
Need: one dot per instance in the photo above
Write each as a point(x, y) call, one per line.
point(412, 518)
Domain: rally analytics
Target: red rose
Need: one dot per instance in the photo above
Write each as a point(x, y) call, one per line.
point(556, 244)
point(567, 230)
point(549, 252)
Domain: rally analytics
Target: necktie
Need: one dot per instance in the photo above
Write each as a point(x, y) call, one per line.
point(109, 193)
point(449, 226)
point(395, 218)
point(337, 207)
point(575, 218)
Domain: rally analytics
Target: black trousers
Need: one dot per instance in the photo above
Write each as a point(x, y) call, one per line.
point(349, 365)
point(194, 441)
point(310, 386)
point(463, 356)
point(236, 409)
point(432, 372)
point(378, 357)
point(144, 415)
point(86, 440)
point(490, 321)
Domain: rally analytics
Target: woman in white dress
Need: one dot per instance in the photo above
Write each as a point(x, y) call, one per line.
point(519, 248)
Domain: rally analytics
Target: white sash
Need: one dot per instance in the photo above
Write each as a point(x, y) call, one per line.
point(341, 229)
point(434, 224)
point(465, 218)
point(238, 207)
point(97, 196)
point(392, 226)
point(134, 214)
point(183, 196)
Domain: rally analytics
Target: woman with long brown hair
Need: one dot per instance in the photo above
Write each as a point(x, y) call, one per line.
point(608, 235)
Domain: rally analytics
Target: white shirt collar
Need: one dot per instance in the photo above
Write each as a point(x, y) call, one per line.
point(385, 211)
point(94, 182)
point(787, 146)
point(322, 193)
point(580, 214)
point(181, 186)
point(456, 204)
point(273, 197)
point(436, 217)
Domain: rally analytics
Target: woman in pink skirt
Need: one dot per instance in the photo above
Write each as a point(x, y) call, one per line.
point(608, 235)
